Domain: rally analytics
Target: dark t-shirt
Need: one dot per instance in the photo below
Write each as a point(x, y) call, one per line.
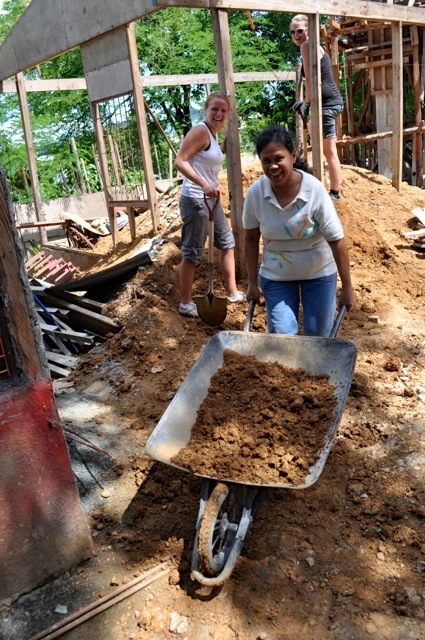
point(331, 95)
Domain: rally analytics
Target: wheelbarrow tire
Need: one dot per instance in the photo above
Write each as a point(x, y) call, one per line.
point(217, 531)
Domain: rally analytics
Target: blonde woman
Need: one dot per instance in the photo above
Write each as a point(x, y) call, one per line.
point(199, 160)
point(332, 102)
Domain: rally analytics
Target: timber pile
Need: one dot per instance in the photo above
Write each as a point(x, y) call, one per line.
point(70, 325)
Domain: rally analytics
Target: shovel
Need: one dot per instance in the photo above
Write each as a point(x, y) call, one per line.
point(211, 308)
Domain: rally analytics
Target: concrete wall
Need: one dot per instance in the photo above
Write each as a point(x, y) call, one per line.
point(89, 205)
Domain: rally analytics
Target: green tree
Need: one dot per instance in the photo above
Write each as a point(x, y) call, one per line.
point(171, 41)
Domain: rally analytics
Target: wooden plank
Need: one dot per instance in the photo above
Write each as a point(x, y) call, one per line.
point(167, 80)
point(84, 318)
point(142, 127)
point(397, 80)
point(223, 51)
point(58, 372)
point(75, 336)
point(47, 328)
point(59, 358)
point(65, 35)
point(29, 144)
point(80, 301)
point(413, 235)
point(316, 131)
point(378, 63)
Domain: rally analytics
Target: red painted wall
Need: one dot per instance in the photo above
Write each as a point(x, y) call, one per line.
point(43, 530)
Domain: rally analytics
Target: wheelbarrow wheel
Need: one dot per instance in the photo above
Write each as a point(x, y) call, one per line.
point(217, 531)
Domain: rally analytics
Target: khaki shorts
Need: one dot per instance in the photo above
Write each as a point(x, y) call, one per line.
point(195, 216)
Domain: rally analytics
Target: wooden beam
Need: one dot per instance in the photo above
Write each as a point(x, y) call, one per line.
point(29, 144)
point(68, 84)
point(397, 140)
point(316, 134)
point(350, 8)
point(19, 313)
point(104, 171)
point(417, 143)
point(371, 137)
point(142, 128)
point(234, 167)
point(377, 64)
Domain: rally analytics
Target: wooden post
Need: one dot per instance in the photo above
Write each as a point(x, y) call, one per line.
point(397, 139)
point(316, 134)
point(234, 167)
point(104, 172)
point(417, 146)
point(29, 144)
point(139, 107)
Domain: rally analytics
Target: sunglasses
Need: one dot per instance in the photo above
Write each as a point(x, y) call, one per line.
point(294, 31)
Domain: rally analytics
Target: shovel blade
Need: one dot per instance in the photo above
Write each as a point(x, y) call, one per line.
point(211, 309)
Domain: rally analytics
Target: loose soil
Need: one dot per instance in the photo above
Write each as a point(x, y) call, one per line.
point(260, 423)
point(340, 560)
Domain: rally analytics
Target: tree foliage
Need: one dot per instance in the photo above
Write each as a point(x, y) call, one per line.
point(173, 41)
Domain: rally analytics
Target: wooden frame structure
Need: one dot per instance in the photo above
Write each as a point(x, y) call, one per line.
point(103, 20)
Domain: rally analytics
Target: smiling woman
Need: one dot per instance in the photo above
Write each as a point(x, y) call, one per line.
point(303, 241)
point(199, 159)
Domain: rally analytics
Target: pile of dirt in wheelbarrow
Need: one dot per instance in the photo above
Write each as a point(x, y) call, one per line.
point(340, 560)
point(261, 422)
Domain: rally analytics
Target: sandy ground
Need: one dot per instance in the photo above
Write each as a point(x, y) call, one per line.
point(342, 559)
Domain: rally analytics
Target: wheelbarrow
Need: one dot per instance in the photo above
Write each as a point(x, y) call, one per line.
point(227, 507)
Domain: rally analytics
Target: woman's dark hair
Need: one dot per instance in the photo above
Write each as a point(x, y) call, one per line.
point(276, 133)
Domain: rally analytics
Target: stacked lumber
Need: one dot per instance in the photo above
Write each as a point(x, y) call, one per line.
point(70, 325)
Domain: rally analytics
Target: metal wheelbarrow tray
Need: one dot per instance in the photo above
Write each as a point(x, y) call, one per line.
point(333, 357)
point(227, 507)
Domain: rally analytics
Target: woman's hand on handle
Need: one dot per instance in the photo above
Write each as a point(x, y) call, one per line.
point(347, 297)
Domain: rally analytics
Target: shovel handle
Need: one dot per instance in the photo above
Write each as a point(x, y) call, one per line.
point(212, 208)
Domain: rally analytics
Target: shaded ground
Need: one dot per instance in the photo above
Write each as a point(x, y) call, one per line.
point(338, 560)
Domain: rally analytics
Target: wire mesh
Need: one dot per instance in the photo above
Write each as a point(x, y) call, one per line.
point(124, 159)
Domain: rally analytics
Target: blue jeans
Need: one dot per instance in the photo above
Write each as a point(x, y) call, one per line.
point(318, 298)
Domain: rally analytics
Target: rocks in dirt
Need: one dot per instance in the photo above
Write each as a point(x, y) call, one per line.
point(178, 623)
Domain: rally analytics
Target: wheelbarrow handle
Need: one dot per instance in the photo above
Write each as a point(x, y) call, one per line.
point(334, 330)
point(249, 315)
point(338, 320)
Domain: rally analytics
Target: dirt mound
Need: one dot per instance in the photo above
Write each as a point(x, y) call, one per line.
point(338, 560)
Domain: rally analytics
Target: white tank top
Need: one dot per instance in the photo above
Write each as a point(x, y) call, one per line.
point(208, 164)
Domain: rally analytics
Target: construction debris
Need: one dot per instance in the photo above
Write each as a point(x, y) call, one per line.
point(50, 269)
point(68, 326)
